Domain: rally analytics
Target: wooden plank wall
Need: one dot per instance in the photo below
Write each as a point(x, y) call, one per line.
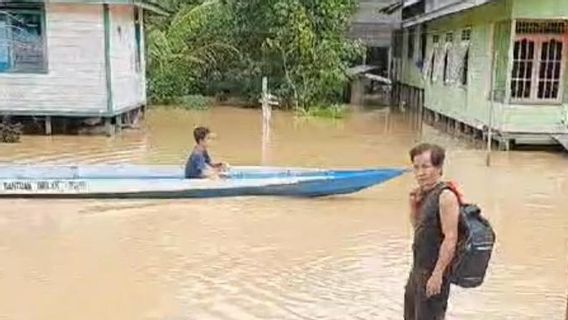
point(75, 81)
point(127, 83)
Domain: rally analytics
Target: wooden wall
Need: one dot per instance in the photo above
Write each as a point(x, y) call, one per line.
point(75, 81)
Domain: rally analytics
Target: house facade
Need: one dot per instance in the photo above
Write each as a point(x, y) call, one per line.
point(374, 29)
point(497, 64)
point(72, 58)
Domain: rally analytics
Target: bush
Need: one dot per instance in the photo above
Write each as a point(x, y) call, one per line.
point(335, 111)
point(10, 132)
point(195, 102)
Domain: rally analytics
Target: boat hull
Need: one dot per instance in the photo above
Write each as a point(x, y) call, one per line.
point(168, 183)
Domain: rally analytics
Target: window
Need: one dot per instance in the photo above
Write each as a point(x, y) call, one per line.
point(466, 35)
point(397, 44)
point(137, 36)
point(429, 67)
point(535, 27)
point(538, 59)
point(432, 66)
point(22, 38)
point(411, 41)
point(466, 38)
point(465, 69)
point(423, 42)
point(435, 41)
point(449, 40)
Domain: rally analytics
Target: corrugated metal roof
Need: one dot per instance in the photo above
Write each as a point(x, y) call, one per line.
point(360, 69)
point(151, 5)
point(408, 3)
point(452, 8)
point(391, 8)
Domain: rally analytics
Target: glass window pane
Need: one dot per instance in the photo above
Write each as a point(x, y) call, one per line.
point(22, 47)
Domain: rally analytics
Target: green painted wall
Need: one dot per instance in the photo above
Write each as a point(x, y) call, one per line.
point(411, 74)
point(502, 41)
point(539, 9)
point(491, 34)
point(543, 117)
point(470, 104)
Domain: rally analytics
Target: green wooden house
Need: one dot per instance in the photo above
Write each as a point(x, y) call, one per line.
point(72, 58)
point(487, 63)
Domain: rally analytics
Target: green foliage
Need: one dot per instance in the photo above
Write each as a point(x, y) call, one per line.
point(183, 49)
point(225, 47)
point(335, 111)
point(10, 132)
point(195, 102)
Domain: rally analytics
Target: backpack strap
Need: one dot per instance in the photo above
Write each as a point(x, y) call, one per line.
point(450, 185)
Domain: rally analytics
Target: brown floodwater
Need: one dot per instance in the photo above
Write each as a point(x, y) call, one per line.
point(274, 258)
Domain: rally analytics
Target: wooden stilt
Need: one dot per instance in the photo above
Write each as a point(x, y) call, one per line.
point(109, 127)
point(65, 125)
point(48, 125)
point(118, 122)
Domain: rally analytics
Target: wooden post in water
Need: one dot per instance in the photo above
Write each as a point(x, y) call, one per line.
point(491, 110)
point(48, 125)
point(266, 115)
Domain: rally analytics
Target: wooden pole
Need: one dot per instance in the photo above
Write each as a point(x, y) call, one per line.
point(491, 109)
point(266, 115)
point(48, 125)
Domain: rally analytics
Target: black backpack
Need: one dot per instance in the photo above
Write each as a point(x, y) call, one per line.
point(474, 248)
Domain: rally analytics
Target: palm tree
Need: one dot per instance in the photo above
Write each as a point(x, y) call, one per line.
point(183, 41)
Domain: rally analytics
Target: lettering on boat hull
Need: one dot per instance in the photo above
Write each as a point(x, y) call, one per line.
point(33, 186)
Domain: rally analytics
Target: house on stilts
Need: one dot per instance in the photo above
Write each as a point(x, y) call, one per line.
point(472, 65)
point(67, 61)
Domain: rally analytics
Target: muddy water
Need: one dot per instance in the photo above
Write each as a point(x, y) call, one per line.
point(269, 258)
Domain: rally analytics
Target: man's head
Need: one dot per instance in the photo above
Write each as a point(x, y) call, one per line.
point(202, 136)
point(428, 162)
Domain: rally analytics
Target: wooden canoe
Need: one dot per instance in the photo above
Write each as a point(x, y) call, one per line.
point(167, 182)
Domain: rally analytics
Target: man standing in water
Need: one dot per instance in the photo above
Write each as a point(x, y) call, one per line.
point(199, 163)
point(434, 214)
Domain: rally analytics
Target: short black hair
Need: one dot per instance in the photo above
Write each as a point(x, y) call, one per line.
point(200, 133)
point(437, 153)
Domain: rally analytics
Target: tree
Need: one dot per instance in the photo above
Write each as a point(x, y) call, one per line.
point(300, 44)
point(213, 46)
point(184, 47)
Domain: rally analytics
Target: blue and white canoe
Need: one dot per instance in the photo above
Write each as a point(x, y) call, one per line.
point(167, 182)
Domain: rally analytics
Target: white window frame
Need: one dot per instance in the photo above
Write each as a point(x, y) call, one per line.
point(539, 39)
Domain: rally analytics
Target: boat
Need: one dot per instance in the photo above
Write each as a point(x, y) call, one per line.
point(168, 182)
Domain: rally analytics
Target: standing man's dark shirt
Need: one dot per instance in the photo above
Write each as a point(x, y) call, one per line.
point(428, 238)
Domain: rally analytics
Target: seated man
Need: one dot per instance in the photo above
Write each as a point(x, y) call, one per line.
point(199, 164)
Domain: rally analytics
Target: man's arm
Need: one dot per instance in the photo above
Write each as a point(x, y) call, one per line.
point(449, 217)
point(207, 171)
point(413, 202)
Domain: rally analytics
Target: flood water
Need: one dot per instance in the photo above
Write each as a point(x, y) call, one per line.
point(274, 258)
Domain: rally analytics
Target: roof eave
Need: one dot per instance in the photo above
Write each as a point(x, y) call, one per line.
point(152, 6)
point(444, 11)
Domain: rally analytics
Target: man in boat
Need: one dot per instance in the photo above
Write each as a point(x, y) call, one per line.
point(199, 164)
point(434, 214)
